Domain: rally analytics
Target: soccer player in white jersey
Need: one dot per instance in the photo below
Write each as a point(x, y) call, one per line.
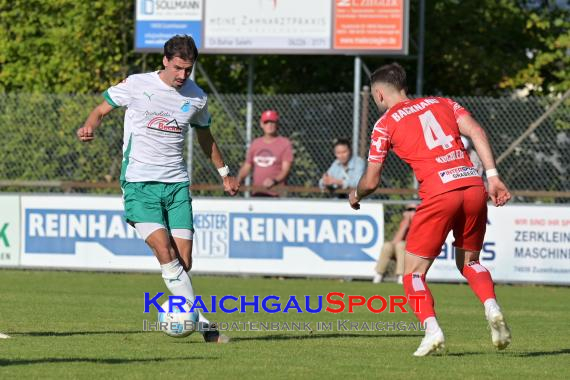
point(161, 107)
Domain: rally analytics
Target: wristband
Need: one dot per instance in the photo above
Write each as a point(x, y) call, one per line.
point(224, 171)
point(492, 173)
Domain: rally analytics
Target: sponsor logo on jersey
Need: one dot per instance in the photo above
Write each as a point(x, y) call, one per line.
point(149, 96)
point(452, 156)
point(149, 114)
point(185, 106)
point(163, 124)
point(459, 172)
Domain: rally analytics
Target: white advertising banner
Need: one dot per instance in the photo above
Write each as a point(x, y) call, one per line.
point(529, 244)
point(276, 26)
point(523, 244)
point(284, 237)
point(80, 232)
point(287, 237)
point(268, 24)
point(9, 230)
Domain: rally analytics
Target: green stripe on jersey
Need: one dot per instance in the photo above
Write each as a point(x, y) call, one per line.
point(202, 126)
point(126, 159)
point(109, 100)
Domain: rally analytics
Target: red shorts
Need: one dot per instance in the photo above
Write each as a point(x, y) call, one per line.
point(462, 210)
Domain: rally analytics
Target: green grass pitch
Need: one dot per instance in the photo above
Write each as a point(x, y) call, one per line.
point(89, 325)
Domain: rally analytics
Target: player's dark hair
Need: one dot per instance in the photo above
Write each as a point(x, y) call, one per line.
point(181, 46)
point(342, 141)
point(392, 74)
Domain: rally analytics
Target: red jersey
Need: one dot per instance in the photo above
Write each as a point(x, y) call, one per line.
point(424, 133)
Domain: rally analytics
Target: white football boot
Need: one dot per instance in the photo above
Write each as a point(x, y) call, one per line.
point(500, 333)
point(432, 342)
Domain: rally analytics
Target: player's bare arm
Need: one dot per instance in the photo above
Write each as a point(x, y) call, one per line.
point(86, 133)
point(210, 148)
point(469, 127)
point(367, 184)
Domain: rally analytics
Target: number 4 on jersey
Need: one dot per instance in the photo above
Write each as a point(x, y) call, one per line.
point(430, 128)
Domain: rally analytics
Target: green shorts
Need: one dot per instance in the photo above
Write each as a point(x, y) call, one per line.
point(157, 202)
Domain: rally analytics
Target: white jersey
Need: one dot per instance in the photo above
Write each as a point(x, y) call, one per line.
point(156, 122)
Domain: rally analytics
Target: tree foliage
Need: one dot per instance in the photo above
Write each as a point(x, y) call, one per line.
point(64, 46)
point(546, 68)
point(481, 47)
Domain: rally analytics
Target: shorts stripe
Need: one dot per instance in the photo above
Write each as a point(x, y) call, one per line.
point(423, 257)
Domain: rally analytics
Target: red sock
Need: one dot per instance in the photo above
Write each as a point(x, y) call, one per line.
point(415, 284)
point(479, 280)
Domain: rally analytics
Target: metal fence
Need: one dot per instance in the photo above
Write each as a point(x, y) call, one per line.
point(38, 139)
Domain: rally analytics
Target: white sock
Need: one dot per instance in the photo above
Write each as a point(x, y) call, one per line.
point(201, 317)
point(180, 284)
point(377, 278)
point(177, 281)
point(431, 325)
point(491, 303)
point(400, 279)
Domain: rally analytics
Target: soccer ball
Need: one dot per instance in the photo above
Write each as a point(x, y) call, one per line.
point(180, 322)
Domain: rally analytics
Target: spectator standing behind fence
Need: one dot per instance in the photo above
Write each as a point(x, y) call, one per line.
point(270, 157)
point(345, 171)
point(396, 248)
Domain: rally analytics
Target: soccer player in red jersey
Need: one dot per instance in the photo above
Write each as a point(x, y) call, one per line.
point(425, 132)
